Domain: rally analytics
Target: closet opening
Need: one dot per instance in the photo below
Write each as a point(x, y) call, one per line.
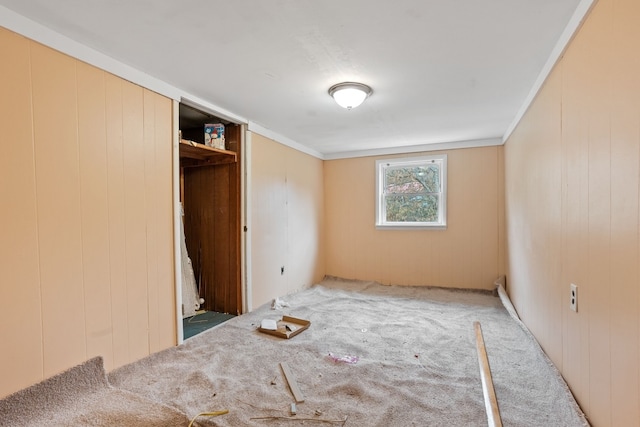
point(210, 199)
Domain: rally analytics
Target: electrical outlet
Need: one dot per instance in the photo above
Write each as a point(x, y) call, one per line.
point(573, 301)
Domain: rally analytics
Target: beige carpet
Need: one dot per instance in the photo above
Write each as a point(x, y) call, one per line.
point(415, 364)
point(81, 396)
point(373, 356)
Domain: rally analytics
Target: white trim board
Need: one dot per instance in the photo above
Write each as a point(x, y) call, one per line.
point(47, 37)
point(438, 146)
point(579, 15)
point(207, 107)
point(43, 35)
point(177, 217)
point(246, 259)
point(261, 130)
point(66, 45)
point(452, 145)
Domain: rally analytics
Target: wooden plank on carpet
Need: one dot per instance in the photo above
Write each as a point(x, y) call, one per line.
point(490, 399)
point(291, 380)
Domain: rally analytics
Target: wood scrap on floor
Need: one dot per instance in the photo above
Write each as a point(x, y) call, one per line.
point(490, 399)
point(291, 380)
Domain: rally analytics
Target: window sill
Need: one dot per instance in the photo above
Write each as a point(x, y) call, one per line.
point(434, 227)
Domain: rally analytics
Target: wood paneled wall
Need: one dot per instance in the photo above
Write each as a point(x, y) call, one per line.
point(468, 254)
point(572, 208)
point(86, 243)
point(287, 221)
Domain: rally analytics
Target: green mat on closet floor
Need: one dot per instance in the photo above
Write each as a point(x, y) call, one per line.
point(203, 321)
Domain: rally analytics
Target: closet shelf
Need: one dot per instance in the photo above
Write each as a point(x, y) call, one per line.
point(201, 155)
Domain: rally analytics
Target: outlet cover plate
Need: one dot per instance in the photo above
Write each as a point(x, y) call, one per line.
point(573, 301)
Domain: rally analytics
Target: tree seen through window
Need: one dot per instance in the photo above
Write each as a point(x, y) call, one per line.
point(412, 193)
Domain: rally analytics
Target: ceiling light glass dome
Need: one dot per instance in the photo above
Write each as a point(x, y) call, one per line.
point(349, 94)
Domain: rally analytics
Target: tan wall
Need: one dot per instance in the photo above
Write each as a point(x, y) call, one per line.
point(572, 191)
point(86, 265)
point(287, 222)
point(468, 254)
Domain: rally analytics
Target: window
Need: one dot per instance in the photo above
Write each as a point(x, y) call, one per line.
point(412, 192)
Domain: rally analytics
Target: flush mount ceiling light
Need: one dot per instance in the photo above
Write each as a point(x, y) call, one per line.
point(349, 95)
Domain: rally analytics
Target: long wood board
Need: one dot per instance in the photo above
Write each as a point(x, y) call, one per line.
point(490, 399)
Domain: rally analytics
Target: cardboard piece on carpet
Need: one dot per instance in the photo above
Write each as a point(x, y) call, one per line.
point(288, 327)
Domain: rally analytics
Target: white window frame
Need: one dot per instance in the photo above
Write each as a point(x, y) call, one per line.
point(383, 164)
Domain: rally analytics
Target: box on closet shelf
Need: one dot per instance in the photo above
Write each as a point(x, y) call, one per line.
point(214, 135)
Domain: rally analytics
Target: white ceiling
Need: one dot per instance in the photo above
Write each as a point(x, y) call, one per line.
point(441, 70)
